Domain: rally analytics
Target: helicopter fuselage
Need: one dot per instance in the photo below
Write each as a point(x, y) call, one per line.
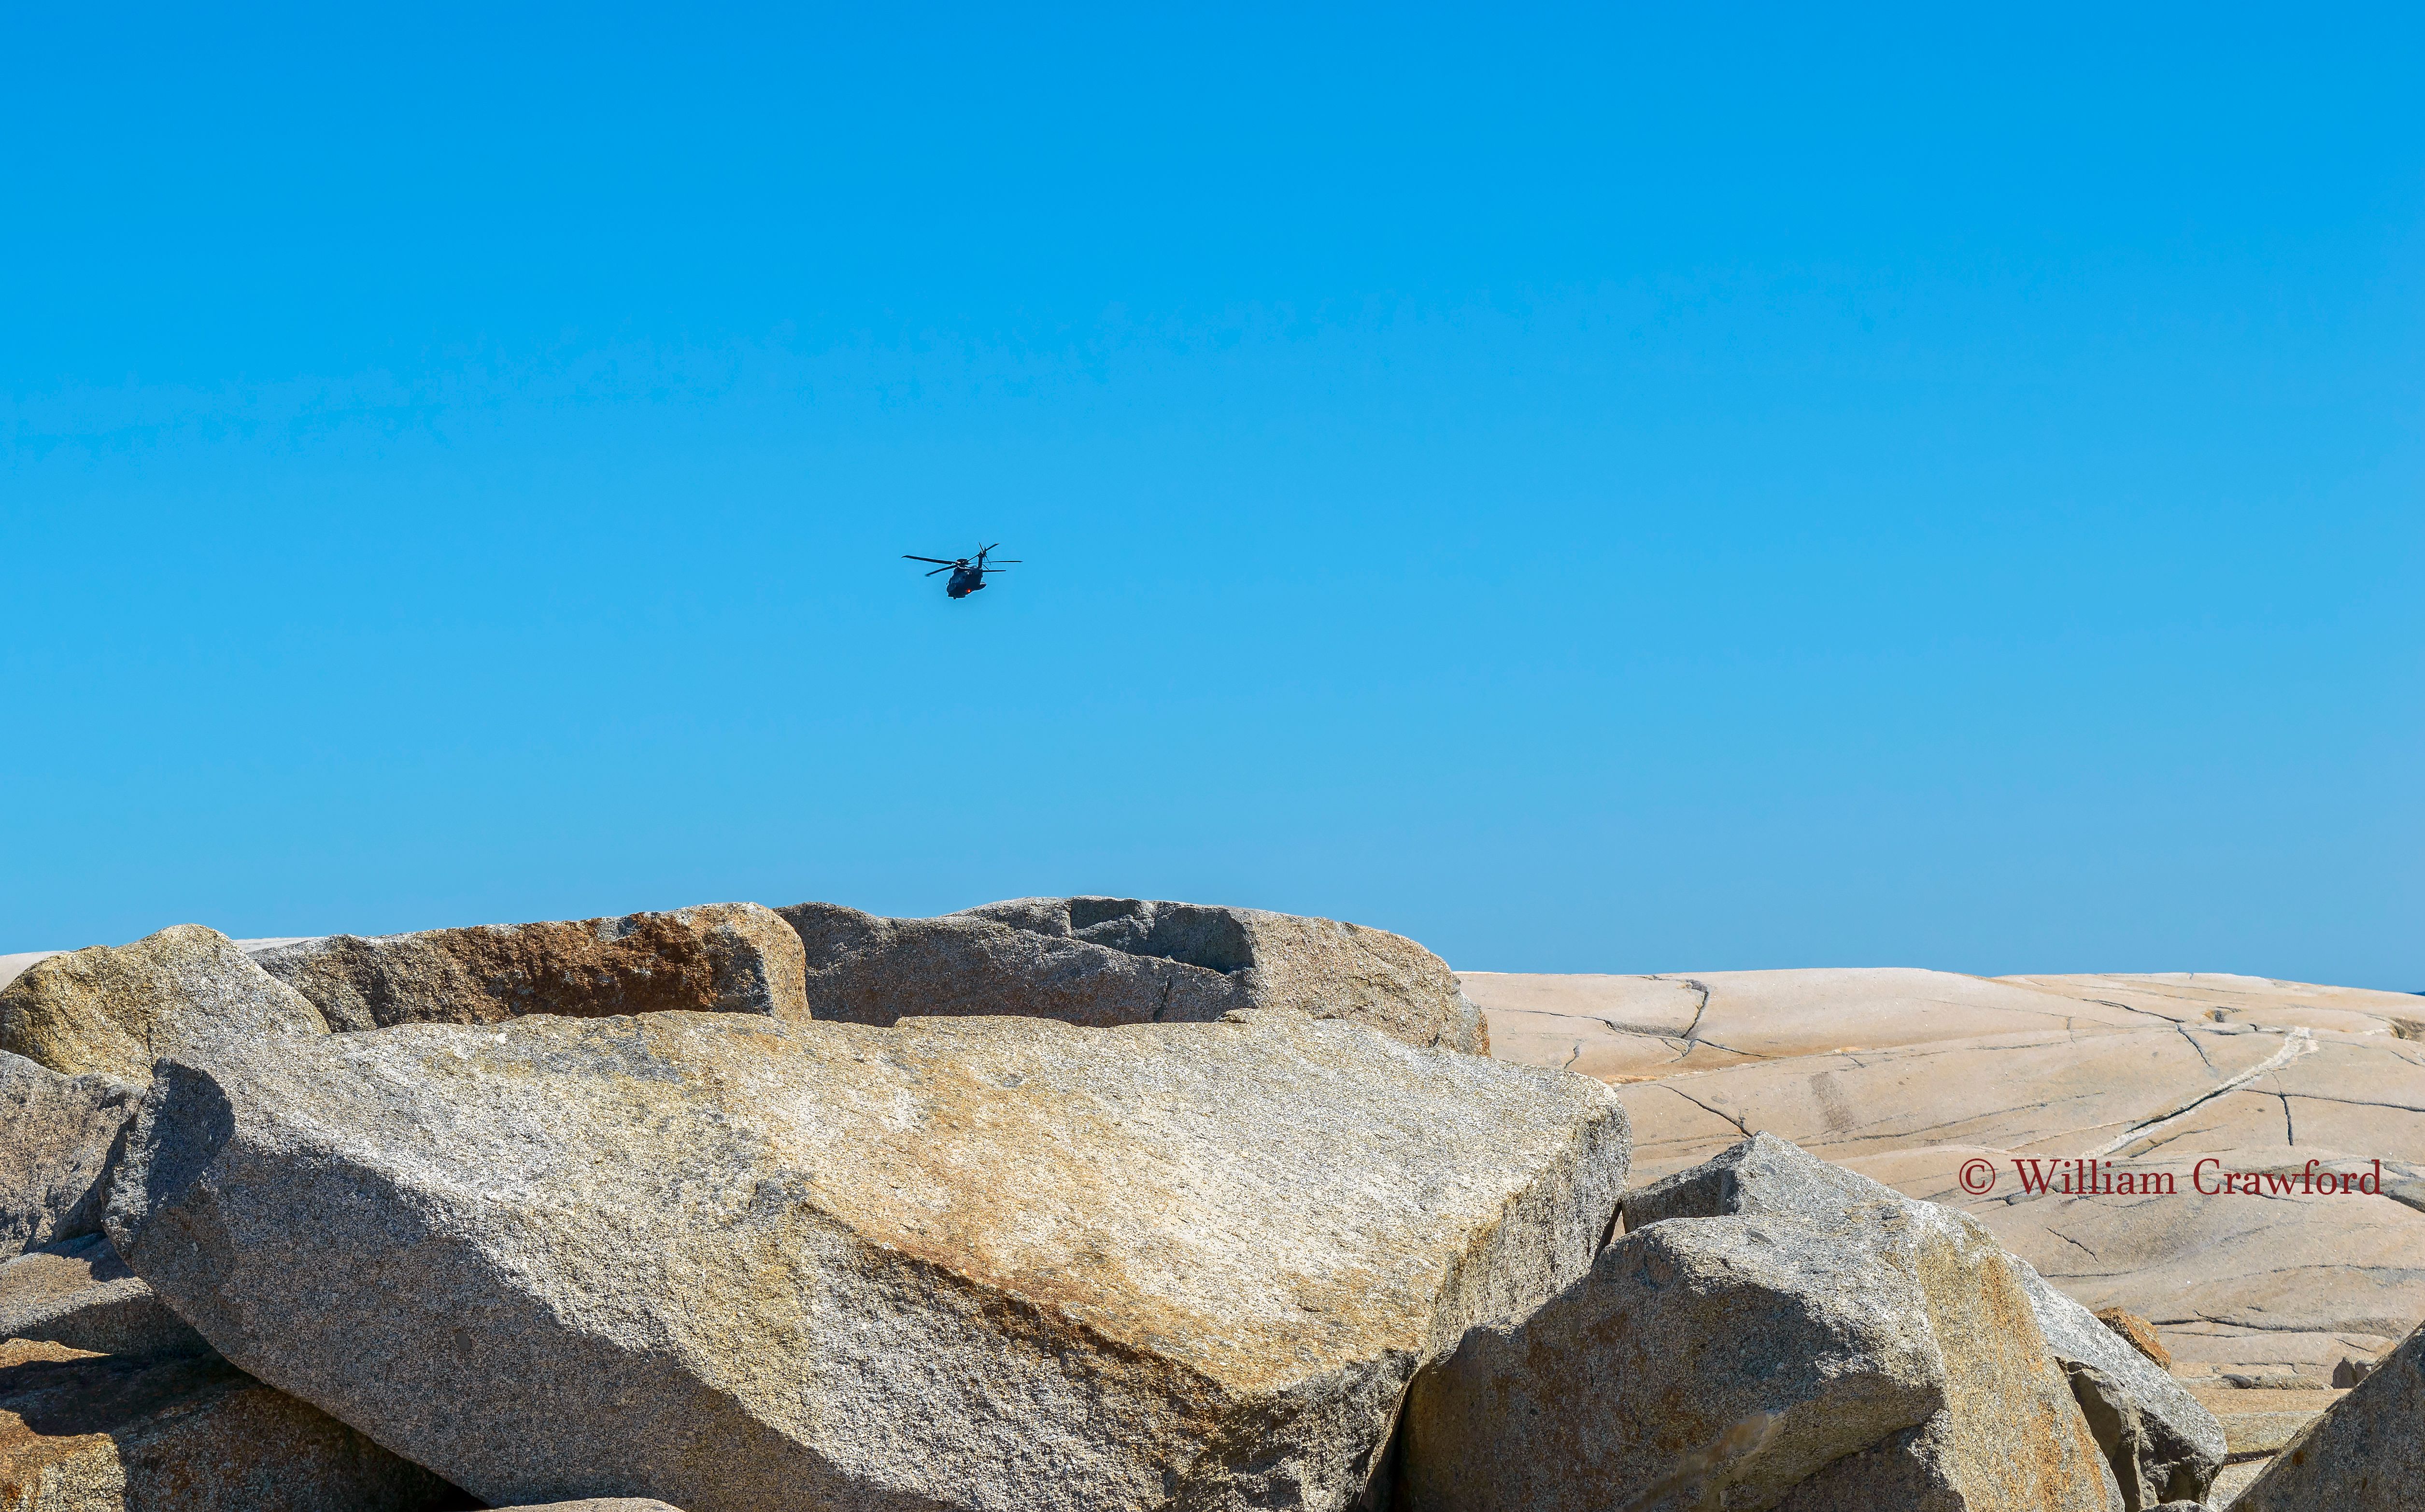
point(965, 581)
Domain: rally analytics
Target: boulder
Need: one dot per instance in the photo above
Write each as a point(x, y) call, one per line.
point(2162, 1445)
point(12, 967)
point(56, 1137)
point(2364, 1454)
point(88, 1433)
point(1126, 961)
point(719, 957)
point(1703, 1362)
point(2009, 1434)
point(863, 969)
point(742, 1264)
point(2138, 1333)
point(112, 1011)
point(79, 1293)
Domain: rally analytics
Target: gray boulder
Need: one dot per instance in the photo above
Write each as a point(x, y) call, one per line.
point(1703, 1362)
point(86, 1433)
point(2161, 1444)
point(2009, 1436)
point(57, 1135)
point(2365, 1453)
point(719, 957)
point(79, 1293)
point(112, 1011)
point(1103, 962)
point(743, 1263)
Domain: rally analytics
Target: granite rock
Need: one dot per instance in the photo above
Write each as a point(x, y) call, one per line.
point(718, 958)
point(742, 1264)
point(2138, 1333)
point(2162, 1445)
point(2010, 1435)
point(58, 1137)
point(2365, 1453)
point(1703, 1362)
point(79, 1293)
point(1096, 960)
point(81, 1432)
point(112, 1011)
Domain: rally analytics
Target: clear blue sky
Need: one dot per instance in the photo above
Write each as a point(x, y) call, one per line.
point(1623, 489)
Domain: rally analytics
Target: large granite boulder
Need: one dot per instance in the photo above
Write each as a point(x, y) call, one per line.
point(79, 1293)
point(719, 957)
point(1103, 962)
point(2162, 1445)
point(2010, 1433)
point(2365, 1454)
point(1703, 1362)
point(81, 1432)
point(112, 1010)
point(56, 1137)
point(741, 1263)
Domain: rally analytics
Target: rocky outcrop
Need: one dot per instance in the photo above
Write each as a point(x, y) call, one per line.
point(1904, 1075)
point(742, 1264)
point(719, 957)
point(79, 1293)
point(2009, 1433)
point(57, 1135)
point(111, 1011)
point(87, 1433)
point(2364, 1454)
point(1103, 962)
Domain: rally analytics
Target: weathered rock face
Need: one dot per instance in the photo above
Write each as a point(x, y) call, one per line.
point(2162, 1445)
point(2365, 1454)
point(742, 1264)
point(1126, 961)
point(79, 1293)
point(1703, 1362)
point(2137, 1332)
point(112, 1011)
point(863, 969)
point(719, 958)
point(56, 1134)
point(1904, 1075)
point(2009, 1434)
point(87, 1433)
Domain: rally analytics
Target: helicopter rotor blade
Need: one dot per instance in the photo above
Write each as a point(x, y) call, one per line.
point(945, 568)
point(906, 557)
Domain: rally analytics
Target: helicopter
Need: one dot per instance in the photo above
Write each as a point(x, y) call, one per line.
point(968, 573)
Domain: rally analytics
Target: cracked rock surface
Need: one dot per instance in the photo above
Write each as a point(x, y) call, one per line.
point(743, 1263)
point(1906, 1074)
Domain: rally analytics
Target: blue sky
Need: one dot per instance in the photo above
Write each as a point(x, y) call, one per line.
point(1628, 488)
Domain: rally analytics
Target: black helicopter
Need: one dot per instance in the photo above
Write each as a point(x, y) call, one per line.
point(968, 573)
